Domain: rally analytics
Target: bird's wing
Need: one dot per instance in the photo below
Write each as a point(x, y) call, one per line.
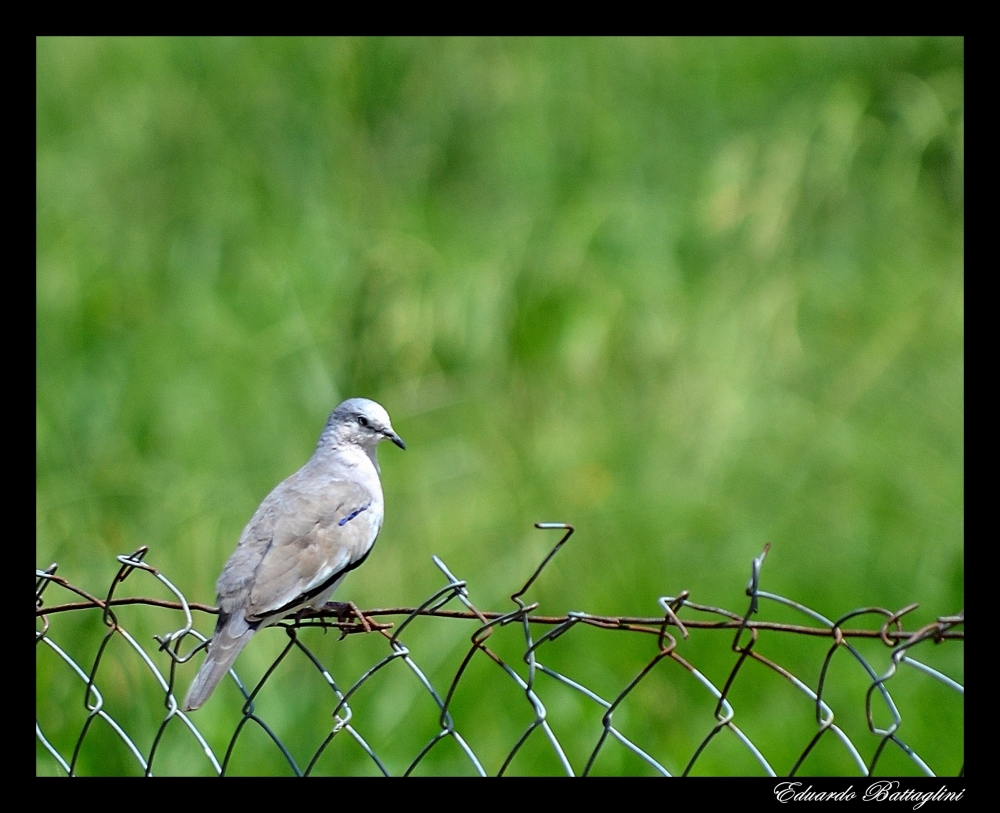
point(305, 543)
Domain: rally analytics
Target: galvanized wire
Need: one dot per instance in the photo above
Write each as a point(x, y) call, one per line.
point(538, 632)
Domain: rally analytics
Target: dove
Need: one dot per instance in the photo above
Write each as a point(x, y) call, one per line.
point(313, 529)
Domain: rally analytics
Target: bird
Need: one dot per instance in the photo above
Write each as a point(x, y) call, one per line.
point(313, 529)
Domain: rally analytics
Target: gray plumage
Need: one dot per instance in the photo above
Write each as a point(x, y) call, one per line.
point(307, 535)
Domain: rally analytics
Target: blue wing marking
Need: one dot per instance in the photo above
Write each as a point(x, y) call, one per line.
point(353, 514)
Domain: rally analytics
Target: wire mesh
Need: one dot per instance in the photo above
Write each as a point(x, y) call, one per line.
point(681, 618)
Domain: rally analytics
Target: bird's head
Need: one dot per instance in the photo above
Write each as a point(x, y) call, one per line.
point(360, 422)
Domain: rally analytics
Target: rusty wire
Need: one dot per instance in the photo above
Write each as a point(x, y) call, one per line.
point(538, 631)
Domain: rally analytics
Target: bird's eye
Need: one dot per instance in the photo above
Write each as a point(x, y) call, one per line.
point(362, 420)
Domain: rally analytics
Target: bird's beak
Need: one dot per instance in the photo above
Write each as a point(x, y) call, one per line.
point(390, 435)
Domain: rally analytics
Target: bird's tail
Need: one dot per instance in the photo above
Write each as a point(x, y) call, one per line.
point(231, 635)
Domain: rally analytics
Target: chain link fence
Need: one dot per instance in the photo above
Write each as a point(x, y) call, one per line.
point(64, 738)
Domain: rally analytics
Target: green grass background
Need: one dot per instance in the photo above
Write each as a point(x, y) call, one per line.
point(691, 295)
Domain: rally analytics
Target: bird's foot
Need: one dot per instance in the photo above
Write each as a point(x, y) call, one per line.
point(345, 609)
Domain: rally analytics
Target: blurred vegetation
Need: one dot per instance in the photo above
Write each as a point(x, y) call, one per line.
point(691, 295)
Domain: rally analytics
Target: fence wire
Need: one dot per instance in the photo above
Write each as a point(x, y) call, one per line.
point(452, 601)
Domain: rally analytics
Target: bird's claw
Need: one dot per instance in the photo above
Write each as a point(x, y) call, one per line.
point(344, 610)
